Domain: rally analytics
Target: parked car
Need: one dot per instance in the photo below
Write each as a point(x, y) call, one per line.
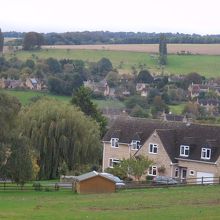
point(164, 180)
point(118, 182)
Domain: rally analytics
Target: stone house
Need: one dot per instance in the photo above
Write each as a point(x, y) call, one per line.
point(33, 84)
point(196, 89)
point(179, 150)
point(142, 89)
point(211, 105)
point(99, 87)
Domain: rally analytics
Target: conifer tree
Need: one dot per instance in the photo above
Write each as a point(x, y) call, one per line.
point(163, 50)
point(1, 41)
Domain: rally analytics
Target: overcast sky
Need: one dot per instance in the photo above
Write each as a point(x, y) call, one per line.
point(185, 16)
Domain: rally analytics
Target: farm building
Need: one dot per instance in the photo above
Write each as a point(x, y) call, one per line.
point(94, 182)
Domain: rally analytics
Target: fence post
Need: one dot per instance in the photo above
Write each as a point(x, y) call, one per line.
point(202, 180)
point(4, 186)
point(219, 179)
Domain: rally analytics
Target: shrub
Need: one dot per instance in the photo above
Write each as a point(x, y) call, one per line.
point(37, 186)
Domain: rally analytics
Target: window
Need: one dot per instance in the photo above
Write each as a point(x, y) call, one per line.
point(184, 151)
point(152, 171)
point(113, 162)
point(153, 148)
point(135, 145)
point(114, 142)
point(206, 153)
point(176, 172)
point(192, 173)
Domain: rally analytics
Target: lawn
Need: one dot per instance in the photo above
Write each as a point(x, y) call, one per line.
point(177, 109)
point(207, 65)
point(181, 203)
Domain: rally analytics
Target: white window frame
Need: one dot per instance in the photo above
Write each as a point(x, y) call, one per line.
point(185, 149)
point(113, 161)
point(154, 149)
point(114, 142)
point(152, 171)
point(135, 145)
point(204, 153)
point(177, 172)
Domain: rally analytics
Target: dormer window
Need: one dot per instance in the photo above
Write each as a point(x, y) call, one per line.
point(135, 145)
point(184, 150)
point(114, 142)
point(153, 148)
point(206, 153)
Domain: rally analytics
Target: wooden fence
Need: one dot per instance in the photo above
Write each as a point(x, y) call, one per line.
point(10, 186)
point(183, 182)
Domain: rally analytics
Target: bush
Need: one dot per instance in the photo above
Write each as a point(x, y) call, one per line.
point(47, 189)
point(37, 186)
point(149, 179)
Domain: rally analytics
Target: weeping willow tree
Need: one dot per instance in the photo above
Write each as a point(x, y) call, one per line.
point(60, 133)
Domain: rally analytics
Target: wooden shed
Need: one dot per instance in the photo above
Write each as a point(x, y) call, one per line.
point(94, 182)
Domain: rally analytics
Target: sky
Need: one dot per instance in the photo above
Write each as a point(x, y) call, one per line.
point(183, 16)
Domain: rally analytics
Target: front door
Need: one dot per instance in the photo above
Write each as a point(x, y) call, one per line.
point(183, 174)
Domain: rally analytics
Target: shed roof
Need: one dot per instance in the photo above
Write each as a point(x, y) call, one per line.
point(93, 174)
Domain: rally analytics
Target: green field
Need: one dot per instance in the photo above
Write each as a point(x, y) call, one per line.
point(25, 98)
point(207, 65)
point(177, 109)
point(178, 203)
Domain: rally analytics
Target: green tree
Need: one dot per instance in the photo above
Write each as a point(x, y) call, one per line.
point(144, 76)
point(15, 154)
point(19, 164)
point(82, 99)
point(137, 111)
point(136, 166)
point(132, 101)
point(9, 108)
point(104, 66)
point(54, 65)
point(60, 133)
point(158, 106)
point(162, 50)
point(32, 40)
point(1, 41)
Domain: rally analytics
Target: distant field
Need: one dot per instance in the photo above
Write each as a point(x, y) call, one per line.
point(25, 98)
point(177, 203)
point(124, 61)
point(205, 49)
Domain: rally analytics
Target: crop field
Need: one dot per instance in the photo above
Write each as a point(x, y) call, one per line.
point(178, 203)
point(205, 49)
point(127, 61)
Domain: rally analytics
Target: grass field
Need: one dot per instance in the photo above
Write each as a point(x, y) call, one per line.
point(25, 98)
point(177, 109)
point(207, 65)
point(181, 203)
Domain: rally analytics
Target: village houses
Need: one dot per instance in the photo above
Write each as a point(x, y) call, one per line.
point(179, 150)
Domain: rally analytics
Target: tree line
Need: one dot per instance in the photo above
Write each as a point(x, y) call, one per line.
point(106, 37)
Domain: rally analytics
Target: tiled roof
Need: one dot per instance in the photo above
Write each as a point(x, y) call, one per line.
point(172, 135)
point(172, 117)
